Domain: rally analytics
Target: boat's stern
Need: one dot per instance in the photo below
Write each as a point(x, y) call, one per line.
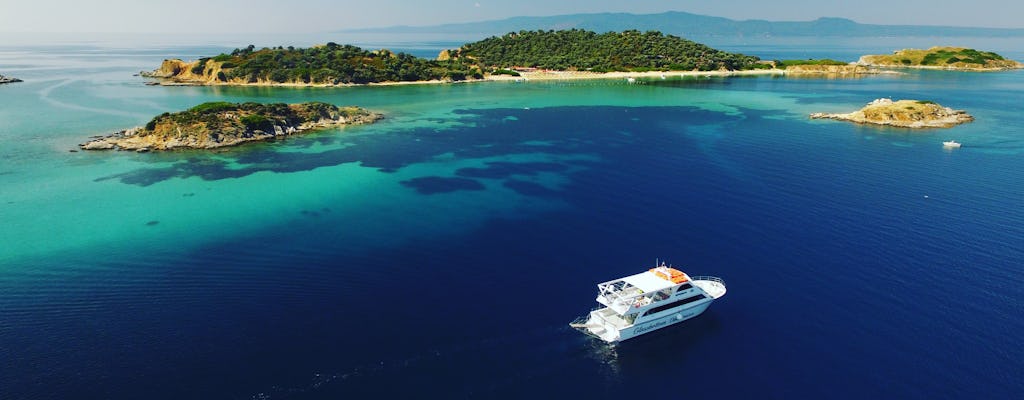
point(595, 325)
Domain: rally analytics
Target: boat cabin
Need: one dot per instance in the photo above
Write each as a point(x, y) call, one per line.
point(628, 295)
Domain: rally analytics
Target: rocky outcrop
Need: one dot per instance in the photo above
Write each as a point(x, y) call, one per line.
point(7, 79)
point(903, 113)
point(850, 69)
point(945, 58)
point(199, 72)
point(221, 124)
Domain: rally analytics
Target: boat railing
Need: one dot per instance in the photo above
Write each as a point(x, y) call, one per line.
point(619, 298)
point(708, 278)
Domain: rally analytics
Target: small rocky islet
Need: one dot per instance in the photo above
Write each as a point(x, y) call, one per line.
point(222, 124)
point(914, 114)
point(8, 79)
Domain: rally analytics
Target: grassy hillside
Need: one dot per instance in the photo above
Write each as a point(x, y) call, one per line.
point(942, 57)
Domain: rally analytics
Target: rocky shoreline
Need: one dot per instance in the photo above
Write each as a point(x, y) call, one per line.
point(941, 58)
point(849, 69)
point(914, 114)
point(7, 79)
point(216, 125)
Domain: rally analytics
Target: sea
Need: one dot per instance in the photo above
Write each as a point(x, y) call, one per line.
point(442, 252)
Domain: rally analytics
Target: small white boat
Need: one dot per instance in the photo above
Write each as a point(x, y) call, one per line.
point(631, 80)
point(952, 144)
point(648, 301)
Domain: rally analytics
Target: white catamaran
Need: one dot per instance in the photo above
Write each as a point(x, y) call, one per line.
point(648, 301)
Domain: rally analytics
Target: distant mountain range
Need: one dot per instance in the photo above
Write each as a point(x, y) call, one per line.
point(694, 25)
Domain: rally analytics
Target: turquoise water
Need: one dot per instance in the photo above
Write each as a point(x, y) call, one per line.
point(448, 245)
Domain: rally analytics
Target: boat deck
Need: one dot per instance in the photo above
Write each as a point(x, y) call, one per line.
point(713, 286)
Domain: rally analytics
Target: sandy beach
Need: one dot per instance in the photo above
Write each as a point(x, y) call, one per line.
point(575, 75)
point(523, 76)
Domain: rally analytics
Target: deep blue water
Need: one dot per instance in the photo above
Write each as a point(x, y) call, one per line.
point(472, 225)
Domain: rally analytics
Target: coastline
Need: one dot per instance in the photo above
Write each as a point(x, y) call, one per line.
point(940, 68)
point(523, 76)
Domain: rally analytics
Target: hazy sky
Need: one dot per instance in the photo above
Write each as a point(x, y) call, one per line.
point(301, 16)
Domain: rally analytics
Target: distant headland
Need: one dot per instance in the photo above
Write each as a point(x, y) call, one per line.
point(949, 58)
point(914, 114)
point(221, 124)
point(695, 25)
point(7, 79)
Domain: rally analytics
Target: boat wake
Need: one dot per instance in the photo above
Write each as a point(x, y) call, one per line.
point(476, 358)
point(45, 95)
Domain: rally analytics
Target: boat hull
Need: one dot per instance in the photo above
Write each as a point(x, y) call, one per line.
point(663, 322)
point(598, 327)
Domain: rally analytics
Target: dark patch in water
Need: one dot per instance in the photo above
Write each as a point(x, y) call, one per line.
point(309, 213)
point(440, 184)
point(188, 194)
point(151, 223)
point(502, 169)
point(529, 188)
point(487, 133)
point(205, 168)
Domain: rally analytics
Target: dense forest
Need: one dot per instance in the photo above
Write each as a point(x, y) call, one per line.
point(556, 50)
point(612, 51)
point(333, 64)
point(222, 116)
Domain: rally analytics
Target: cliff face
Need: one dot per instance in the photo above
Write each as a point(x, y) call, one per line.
point(955, 58)
point(220, 124)
point(904, 114)
point(202, 72)
point(198, 72)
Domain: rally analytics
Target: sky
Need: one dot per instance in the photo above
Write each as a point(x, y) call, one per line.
point(309, 16)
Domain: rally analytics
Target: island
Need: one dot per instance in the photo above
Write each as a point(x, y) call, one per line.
point(947, 58)
point(220, 124)
point(528, 55)
point(913, 114)
point(582, 50)
point(578, 53)
point(7, 79)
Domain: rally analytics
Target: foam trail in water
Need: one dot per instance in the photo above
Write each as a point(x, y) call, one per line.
point(44, 95)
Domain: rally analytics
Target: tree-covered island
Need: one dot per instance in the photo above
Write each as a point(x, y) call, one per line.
point(581, 50)
point(221, 124)
point(574, 53)
point(565, 50)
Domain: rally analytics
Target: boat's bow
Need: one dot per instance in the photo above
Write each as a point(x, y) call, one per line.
point(713, 286)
